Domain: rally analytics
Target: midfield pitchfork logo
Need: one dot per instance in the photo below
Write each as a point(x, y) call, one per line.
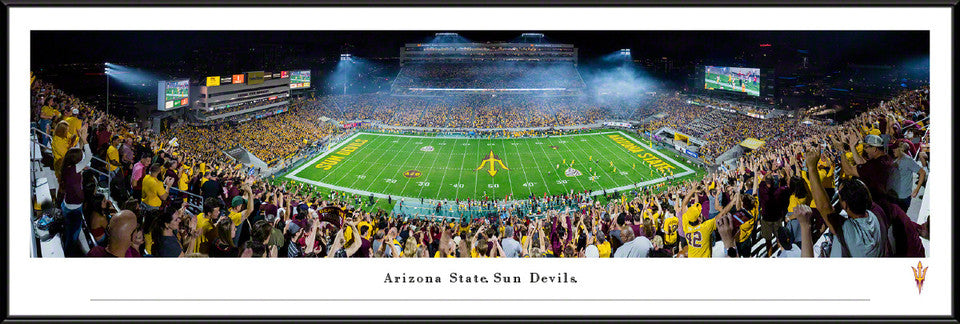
point(493, 159)
point(919, 274)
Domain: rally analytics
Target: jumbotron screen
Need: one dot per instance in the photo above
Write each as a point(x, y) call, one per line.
point(173, 94)
point(738, 79)
point(299, 79)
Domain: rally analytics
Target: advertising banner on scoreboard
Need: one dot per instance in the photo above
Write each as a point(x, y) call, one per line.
point(213, 81)
point(237, 78)
point(254, 78)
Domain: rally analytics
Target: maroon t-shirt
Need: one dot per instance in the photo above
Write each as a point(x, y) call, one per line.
point(103, 137)
point(906, 232)
point(365, 246)
point(171, 174)
point(269, 209)
point(875, 173)
point(233, 192)
point(704, 201)
point(637, 229)
point(773, 202)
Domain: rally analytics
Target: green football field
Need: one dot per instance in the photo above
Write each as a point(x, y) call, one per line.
point(724, 84)
point(459, 168)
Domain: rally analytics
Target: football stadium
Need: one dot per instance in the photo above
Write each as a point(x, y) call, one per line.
point(481, 144)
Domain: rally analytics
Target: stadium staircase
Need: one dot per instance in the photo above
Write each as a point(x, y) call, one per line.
point(241, 155)
point(44, 187)
point(732, 154)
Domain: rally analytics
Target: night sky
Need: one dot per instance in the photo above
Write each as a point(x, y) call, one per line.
point(867, 47)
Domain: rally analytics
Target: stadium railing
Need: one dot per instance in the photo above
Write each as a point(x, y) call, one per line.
point(194, 201)
point(758, 247)
point(102, 173)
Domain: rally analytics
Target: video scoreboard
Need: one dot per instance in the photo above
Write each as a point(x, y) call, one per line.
point(299, 79)
point(173, 94)
point(737, 79)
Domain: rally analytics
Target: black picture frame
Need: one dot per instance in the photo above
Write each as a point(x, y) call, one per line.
point(4, 115)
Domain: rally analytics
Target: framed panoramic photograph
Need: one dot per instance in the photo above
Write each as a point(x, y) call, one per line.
point(480, 163)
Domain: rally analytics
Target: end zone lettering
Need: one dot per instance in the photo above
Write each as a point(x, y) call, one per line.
point(351, 147)
point(653, 160)
point(335, 158)
point(633, 148)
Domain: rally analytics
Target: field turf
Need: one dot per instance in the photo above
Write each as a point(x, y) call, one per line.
point(459, 168)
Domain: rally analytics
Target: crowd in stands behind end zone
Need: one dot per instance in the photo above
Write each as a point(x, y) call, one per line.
point(882, 159)
point(489, 75)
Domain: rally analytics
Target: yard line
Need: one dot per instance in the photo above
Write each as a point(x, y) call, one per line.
point(655, 179)
point(632, 181)
point(417, 168)
point(461, 170)
point(601, 167)
point(371, 185)
point(678, 175)
point(348, 172)
point(664, 156)
point(420, 136)
point(509, 181)
point(619, 156)
point(398, 151)
point(476, 178)
point(545, 183)
point(523, 169)
point(435, 158)
point(449, 158)
point(572, 159)
point(293, 176)
point(579, 152)
point(319, 157)
point(373, 164)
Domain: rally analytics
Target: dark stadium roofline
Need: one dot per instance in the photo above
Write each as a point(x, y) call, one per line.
point(485, 3)
point(485, 44)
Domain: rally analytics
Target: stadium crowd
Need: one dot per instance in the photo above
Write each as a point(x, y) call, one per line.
point(268, 138)
point(489, 75)
point(468, 111)
point(858, 209)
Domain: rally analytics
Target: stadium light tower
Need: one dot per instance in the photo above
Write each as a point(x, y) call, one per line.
point(346, 58)
point(106, 72)
point(532, 38)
